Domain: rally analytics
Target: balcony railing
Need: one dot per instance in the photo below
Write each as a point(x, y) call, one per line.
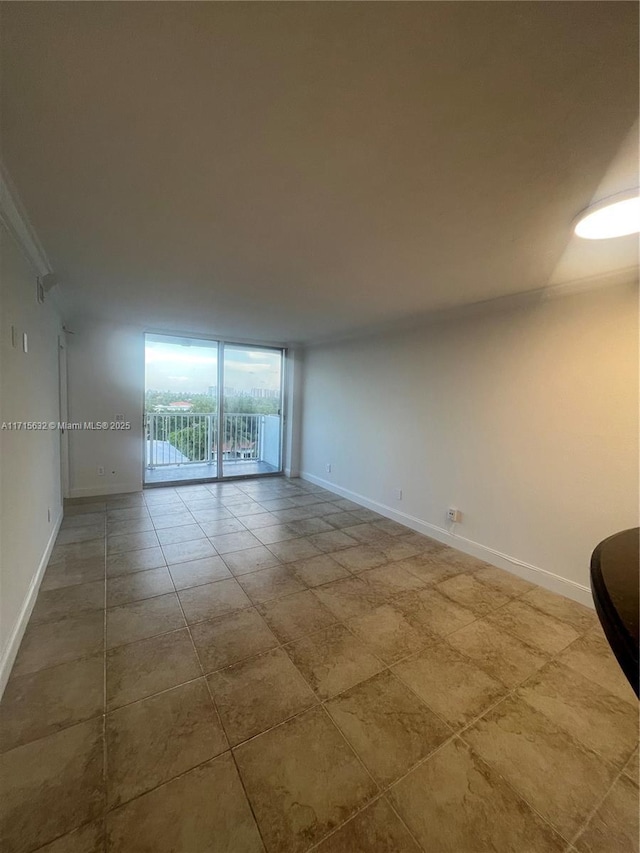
point(191, 439)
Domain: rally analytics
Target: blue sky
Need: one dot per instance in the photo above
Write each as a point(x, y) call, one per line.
point(174, 367)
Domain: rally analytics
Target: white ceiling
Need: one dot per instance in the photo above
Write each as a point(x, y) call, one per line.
point(293, 171)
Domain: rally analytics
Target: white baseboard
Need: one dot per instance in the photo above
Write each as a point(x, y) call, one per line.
point(534, 574)
point(10, 651)
point(106, 489)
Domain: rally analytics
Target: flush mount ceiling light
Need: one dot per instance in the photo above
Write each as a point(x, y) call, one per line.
point(615, 216)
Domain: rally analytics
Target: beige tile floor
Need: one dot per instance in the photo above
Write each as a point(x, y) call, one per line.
point(261, 665)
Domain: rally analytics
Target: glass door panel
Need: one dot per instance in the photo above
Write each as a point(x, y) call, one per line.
point(251, 416)
point(181, 409)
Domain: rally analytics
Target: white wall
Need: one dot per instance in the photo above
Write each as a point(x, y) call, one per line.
point(293, 411)
point(105, 367)
point(30, 492)
point(524, 417)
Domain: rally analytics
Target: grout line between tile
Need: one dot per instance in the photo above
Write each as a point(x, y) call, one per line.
point(598, 804)
point(222, 727)
point(456, 734)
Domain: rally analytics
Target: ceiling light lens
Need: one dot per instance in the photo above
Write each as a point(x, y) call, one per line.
point(613, 220)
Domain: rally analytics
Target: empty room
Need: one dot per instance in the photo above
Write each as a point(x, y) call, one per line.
point(319, 427)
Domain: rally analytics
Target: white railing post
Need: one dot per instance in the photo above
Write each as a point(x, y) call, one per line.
point(151, 441)
point(207, 439)
point(260, 442)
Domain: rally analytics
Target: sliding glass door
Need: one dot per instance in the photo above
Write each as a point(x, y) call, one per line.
point(212, 409)
point(251, 423)
point(181, 409)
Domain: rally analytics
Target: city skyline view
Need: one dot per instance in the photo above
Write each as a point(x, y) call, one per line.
point(191, 366)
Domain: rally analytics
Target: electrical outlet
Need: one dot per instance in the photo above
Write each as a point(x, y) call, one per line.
point(397, 493)
point(100, 470)
point(454, 514)
point(328, 467)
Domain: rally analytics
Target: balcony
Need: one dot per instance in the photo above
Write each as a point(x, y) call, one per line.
point(184, 447)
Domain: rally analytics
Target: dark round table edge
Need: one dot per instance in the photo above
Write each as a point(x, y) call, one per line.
point(621, 643)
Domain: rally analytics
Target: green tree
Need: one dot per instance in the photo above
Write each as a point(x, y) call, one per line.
point(191, 441)
point(206, 404)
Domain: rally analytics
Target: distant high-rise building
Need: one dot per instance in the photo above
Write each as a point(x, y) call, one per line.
point(265, 393)
point(212, 391)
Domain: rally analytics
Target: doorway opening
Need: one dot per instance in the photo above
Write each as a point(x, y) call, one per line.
point(212, 410)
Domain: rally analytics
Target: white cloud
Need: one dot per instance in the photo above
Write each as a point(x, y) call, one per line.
point(194, 368)
point(253, 368)
point(176, 357)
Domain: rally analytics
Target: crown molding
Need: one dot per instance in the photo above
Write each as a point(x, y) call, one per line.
point(14, 217)
point(506, 302)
